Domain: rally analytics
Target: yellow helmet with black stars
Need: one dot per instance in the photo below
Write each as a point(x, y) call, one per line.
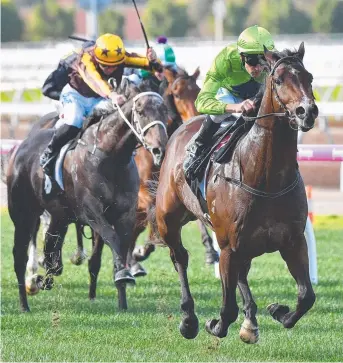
point(109, 50)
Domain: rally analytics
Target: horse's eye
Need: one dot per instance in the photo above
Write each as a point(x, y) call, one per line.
point(278, 81)
point(176, 95)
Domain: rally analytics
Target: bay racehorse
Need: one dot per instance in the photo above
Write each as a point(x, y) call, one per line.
point(256, 200)
point(100, 186)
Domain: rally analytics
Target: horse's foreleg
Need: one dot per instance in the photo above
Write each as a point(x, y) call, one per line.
point(229, 269)
point(94, 263)
point(249, 329)
point(53, 250)
point(296, 258)
point(79, 255)
point(210, 253)
point(118, 238)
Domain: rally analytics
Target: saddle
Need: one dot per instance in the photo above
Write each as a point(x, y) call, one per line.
point(222, 146)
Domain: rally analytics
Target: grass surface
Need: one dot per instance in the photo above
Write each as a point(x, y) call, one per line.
point(65, 326)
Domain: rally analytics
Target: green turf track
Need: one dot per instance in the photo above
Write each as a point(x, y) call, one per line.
point(65, 326)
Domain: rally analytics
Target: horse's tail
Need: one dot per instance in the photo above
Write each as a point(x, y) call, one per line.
point(151, 214)
point(5, 158)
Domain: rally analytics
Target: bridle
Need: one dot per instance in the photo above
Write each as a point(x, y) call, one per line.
point(287, 113)
point(136, 128)
point(238, 182)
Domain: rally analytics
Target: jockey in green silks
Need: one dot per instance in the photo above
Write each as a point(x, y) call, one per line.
point(233, 79)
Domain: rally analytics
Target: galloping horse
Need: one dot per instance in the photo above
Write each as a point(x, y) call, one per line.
point(256, 200)
point(100, 186)
point(182, 89)
point(179, 97)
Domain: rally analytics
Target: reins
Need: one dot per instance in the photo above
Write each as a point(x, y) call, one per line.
point(287, 59)
point(141, 131)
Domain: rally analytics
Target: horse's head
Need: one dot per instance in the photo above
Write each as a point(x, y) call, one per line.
point(148, 117)
point(291, 86)
point(184, 89)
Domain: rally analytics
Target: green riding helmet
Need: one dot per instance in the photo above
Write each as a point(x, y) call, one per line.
point(252, 40)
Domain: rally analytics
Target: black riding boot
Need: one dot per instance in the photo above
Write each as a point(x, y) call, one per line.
point(61, 136)
point(198, 144)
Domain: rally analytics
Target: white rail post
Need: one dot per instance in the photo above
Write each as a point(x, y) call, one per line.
point(312, 251)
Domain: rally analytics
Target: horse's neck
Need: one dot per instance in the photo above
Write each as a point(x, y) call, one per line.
point(115, 137)
point(268, 154)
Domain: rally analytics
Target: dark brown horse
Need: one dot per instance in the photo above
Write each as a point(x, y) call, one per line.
point(100, 186)
point(179, 96)
point(256, 201)
point(181, 91)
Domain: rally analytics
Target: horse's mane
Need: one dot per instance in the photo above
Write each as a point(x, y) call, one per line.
point(287, 53)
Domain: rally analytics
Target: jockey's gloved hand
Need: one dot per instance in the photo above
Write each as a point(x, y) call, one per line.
point(117, 98)
point(247, 106)
point(151, 55)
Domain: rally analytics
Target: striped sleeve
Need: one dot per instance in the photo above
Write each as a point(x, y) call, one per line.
point(91, 76)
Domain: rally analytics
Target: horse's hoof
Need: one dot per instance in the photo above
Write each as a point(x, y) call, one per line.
point(138, 270)
point(189, 328)
point(278, 311)
point(25, 309)
point(213, 327)
point(47, 283)
point(124, 276)
point(249, 333)
point(32, 284)
point(78, 258)
point(212, 257)
point(141, 253)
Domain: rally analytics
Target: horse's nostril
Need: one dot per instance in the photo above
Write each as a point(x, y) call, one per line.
point(314, 110)
point(300, 112)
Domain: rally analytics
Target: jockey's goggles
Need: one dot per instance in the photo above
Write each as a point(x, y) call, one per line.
point(104, 67)
point(252, 59)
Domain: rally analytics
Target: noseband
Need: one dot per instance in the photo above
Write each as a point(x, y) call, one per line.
point(138, 130)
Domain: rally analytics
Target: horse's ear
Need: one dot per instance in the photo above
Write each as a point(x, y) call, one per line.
point(301, 51)
point(169, 74)
point(270, 56)
point(196, 74)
